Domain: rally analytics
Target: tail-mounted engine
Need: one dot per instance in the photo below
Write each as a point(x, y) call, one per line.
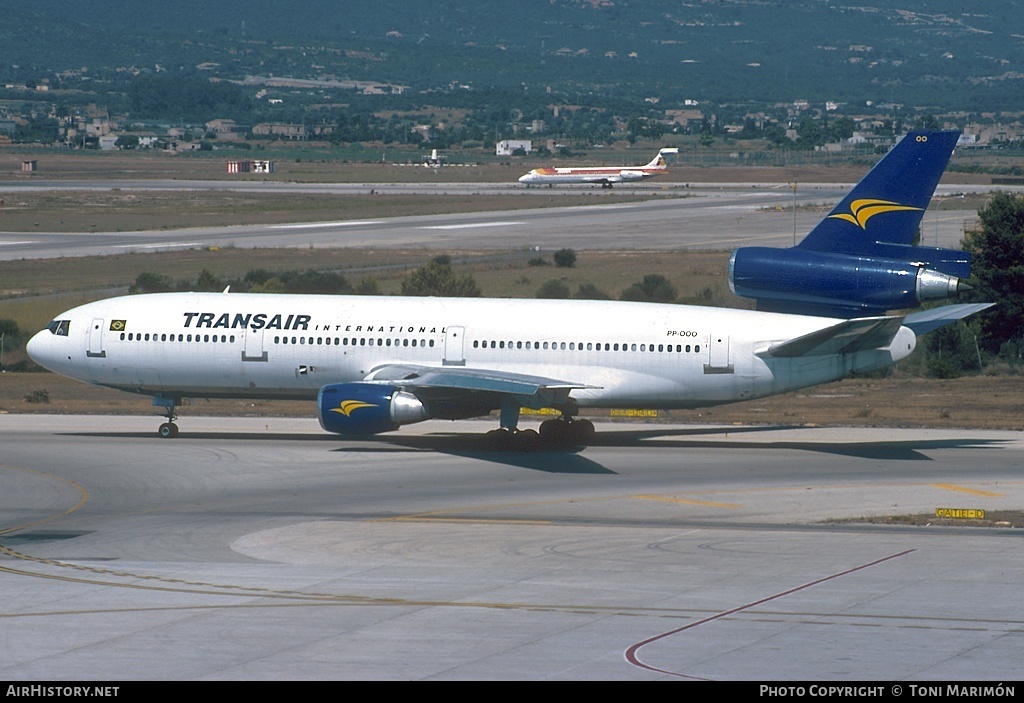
point(861, 260)
point(845, 285)
point(367, 408)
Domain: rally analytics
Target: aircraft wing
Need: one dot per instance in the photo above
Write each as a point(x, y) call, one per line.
point(844, 337)
point(530, 391)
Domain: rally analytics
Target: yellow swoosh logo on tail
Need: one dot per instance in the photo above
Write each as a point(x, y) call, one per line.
point(863, 210)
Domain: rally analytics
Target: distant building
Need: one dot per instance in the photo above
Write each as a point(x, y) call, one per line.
point(224, 130)
point(684, 118)
point(280, 130)
point(509, 146)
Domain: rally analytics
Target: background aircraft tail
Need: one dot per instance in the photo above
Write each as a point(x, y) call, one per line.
point(659, 160)
point(860, 260)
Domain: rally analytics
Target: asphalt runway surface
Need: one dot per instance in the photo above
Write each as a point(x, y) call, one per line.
point(694, 216)
point(265, 549)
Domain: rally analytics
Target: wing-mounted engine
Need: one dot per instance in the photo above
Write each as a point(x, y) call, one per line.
point(367, 408)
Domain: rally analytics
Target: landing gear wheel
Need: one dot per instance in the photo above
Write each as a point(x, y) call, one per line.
point(503, 439)
point(567, 431)
point(582, 431)
point(526, 440)
point(554, 431)
point(168, 429)
point(499, 439)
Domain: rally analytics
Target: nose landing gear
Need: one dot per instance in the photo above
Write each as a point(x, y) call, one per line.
point(168, 429)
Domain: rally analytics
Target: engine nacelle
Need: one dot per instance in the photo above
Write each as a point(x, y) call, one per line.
point(627, 175)
point(811, 282)
point(367, 408)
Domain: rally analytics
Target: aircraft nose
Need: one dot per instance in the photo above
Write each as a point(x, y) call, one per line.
point(38, 347)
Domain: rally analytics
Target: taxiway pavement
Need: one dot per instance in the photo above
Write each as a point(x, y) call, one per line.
point(251, 549)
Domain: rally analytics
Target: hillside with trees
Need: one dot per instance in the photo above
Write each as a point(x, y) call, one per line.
point(937, 53)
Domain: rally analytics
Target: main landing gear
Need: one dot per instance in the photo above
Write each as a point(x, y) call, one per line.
point(568, 430)
point(553, 433)
point(168, 429)
point(556, 431)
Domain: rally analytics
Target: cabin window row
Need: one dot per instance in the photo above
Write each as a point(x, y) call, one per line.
point(154, 337)
point(356, 341)
point(588, 346)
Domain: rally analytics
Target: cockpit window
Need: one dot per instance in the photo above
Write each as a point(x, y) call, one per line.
point(59, 327)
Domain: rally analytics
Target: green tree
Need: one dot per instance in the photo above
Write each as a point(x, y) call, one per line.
point(257, 277)
point(655, 288)
point(127, 141)
point(317, 282)
point(438, 278)
point(150, 282)
point(565, 258)
point(367, 286)
point(588, 291)
point(997, 269)
point(952, 351)
point(554, 289)
point(270, 285)
point(9, 328)
point(208, 282)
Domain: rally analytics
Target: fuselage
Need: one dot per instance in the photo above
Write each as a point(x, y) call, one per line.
point(289, 346)
point(560, 175)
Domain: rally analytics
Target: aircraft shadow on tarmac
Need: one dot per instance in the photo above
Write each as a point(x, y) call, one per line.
point(568, 459)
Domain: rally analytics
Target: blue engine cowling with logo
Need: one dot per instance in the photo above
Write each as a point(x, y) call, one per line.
point(844, 285)
point(367, 408)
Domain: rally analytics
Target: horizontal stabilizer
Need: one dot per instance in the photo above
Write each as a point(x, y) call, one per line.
point(928, 320)
point(845, 337)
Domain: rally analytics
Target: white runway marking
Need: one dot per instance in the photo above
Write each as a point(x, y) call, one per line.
point(474, 225)
point(311, 225)
point(159, 245)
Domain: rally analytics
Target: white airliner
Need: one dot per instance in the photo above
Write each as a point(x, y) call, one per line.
point(375, 363)
point(603, 175)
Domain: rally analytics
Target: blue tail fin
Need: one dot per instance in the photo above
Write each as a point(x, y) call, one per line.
point(861, 260)
point(889, 202)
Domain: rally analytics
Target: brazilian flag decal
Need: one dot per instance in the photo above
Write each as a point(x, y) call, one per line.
point(118, 325)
